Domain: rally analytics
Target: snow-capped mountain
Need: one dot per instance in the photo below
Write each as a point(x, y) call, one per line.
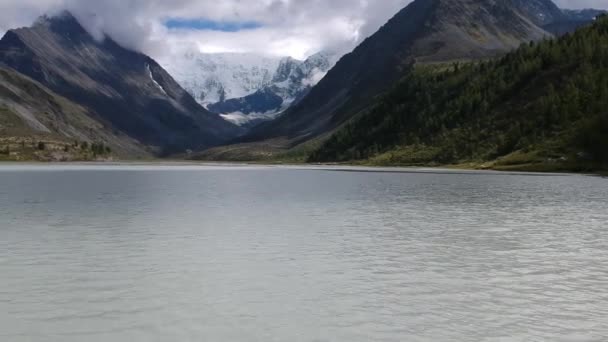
point(294, 77)
point(292, 80)
point(212, 78)
point(247, 87)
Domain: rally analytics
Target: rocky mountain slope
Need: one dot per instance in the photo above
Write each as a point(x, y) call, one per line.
point(540, 12)
point(129, 92)
point(36, 123)
point(247, 88)
point(546, 14)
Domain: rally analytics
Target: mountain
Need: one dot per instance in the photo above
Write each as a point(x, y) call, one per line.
point(546, 14)
point(588, 14)
point(291, 82)
point(263, 105)
point(541, 107)
point(426, 31)
point(126, 90)
point(572, 20)
point(247, 88)
point(294, 79)
point(32, 117)
point(215, 77)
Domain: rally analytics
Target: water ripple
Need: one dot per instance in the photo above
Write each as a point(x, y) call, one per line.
point(286, 254)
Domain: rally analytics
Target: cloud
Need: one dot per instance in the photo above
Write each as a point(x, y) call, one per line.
point(316, 77)
point(210, 25)
point(282, 27)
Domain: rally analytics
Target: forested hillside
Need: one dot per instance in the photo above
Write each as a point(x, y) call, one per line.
point(542, 106)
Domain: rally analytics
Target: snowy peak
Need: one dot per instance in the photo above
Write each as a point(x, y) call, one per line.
point(317, 66)
point(292, 81)
point(212, 78)
point(293, 76)
point(247, 84)
point(286, 68)
point(307, 73)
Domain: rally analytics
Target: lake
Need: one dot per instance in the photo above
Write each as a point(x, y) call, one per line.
point(253, 253)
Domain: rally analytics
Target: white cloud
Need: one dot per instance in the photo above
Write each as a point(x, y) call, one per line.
point(316, 77)
point(241, 119)
point(289, 27)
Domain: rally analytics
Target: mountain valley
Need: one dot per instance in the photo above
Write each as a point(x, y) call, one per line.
point(309, 131)
point(410, 94)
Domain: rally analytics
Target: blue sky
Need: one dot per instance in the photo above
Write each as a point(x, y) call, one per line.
point(210, 25)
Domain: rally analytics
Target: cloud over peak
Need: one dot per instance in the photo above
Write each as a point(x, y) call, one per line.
point(278, 27)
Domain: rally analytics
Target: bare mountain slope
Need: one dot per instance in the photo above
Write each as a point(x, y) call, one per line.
point(126, 89)
point(31, 114)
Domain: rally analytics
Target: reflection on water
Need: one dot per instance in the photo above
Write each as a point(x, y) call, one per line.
point(144, 253)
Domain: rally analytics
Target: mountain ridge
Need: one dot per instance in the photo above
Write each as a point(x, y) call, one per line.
point(248, 86)
point(291, 82)
point(424, 31)
point(126, 89)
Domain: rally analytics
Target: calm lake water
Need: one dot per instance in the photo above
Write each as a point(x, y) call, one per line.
point(190, 253)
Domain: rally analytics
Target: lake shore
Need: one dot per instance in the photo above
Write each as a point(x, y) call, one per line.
point(330, 167)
